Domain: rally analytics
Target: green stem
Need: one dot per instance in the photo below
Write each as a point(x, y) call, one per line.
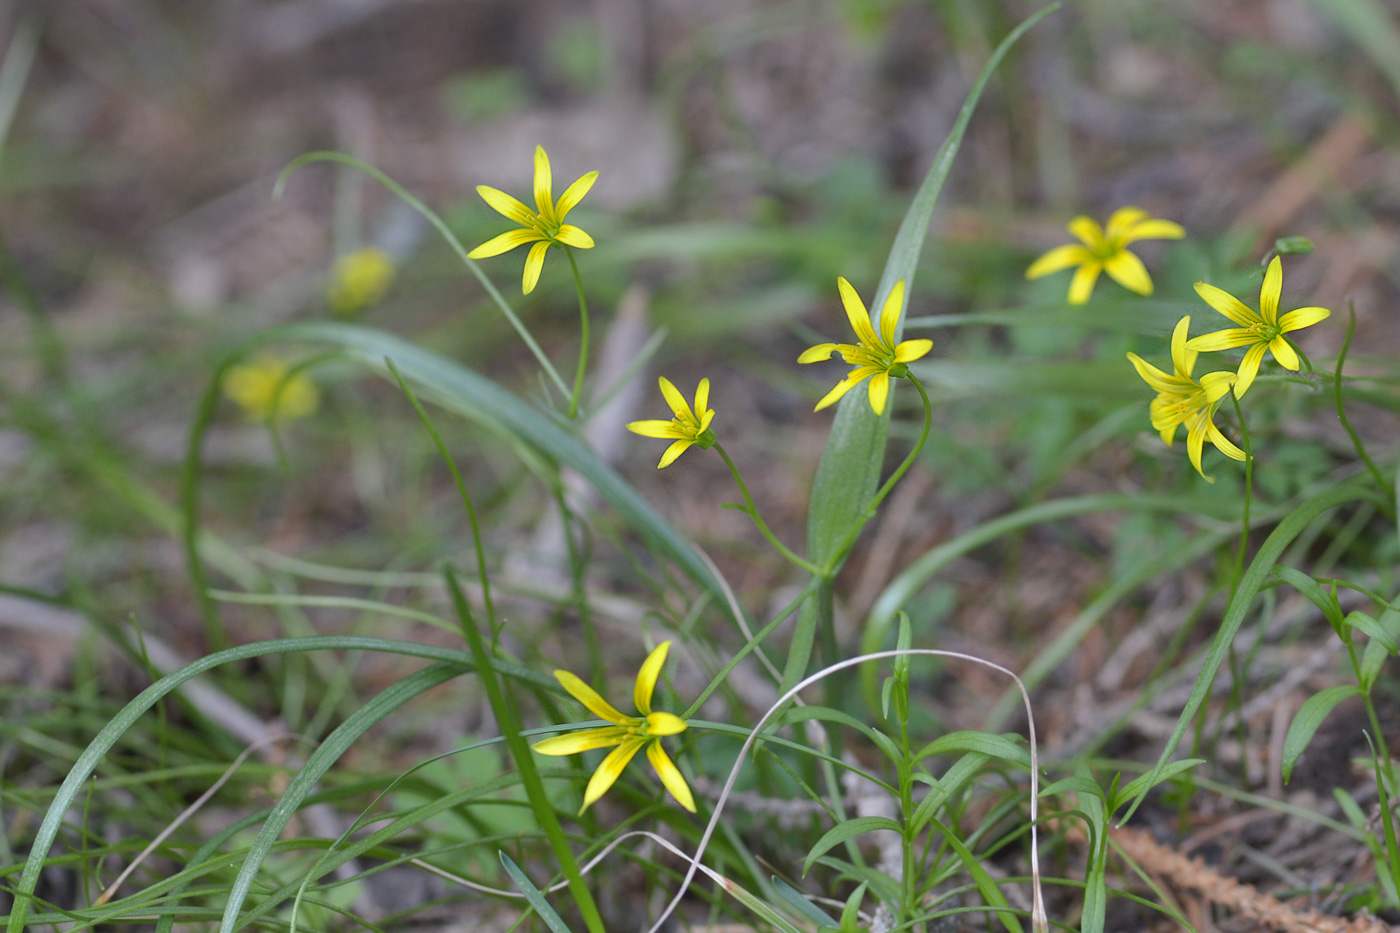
point(838, 556)
point(1342, 414)
point(1248, 497)
point(752, 511)
point(583, 335)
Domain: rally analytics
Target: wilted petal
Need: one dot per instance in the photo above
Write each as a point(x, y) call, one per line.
point(1061, 257)
point(1299, 318)
point(1270, 291)
point(574, 194)
point(1128, 271)
point(505, 204)
point(533, 264)
point(503, 244)
point(647, 676)
point(610, 770)
point(1082, 285)
point(589, 697)
point(584, 741)
point(1227, 304)
point(671, 777)
point(575, 237)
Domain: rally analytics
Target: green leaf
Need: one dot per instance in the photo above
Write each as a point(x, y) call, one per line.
point(848, 830)
point(1308, 718)
point(1139, 785)
point(986, 885)
point(1321, 597)
point(1376, 651)
point(806, 908)
point(534, 895)
point(1077, 784)
point(828, 714)
point(1373, 629)
point(850, 913)
point(953, 780)
point(1004, 747)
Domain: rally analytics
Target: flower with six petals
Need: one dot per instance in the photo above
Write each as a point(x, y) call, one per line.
point(1182, 400)
point(876, 357)
point(630, 734)
point(543, 226)
point(1105, 250)
point(1262, 331)
point(686, 428)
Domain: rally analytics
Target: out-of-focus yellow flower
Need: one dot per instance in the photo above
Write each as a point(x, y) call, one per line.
point(630, 734)
point(1182, 400)
point(358, 280)
point(687, 428)
point(543, 226)
point(1262, 331)
point(263, 390)
point(876, 357)
point(1105, 250)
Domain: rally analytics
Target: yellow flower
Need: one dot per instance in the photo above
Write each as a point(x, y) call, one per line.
point(544, 226)
point(876, 357)
point(358, 280)
point(1262, 331)
point(263, 390)
point(686, 428)
point(1106, 251)
point(1182, 400)
point(630, 734)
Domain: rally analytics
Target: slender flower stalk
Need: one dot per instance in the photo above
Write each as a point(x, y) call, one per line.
point(630, 734)
point(1262, 331)
point(1181, 399)
point(544, 226)
point(1106, 250)
point(876, 357)
point(686, 428)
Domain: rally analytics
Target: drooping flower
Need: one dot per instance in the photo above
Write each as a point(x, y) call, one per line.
point(543, 226)
point(876, 357)
point(1182, 400)
point(1105, 250)
point(686, 428)
point(263, 390)
point(1262, 331)
point(358, 280)
point(630, 734)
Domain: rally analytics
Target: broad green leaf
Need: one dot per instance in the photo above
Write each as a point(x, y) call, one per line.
point(533, 895)
point(942, 789)
point(1321, 597)
point(848, 830)
point(970, 740)
point(1306, 721)
point(1374, 657)
point(1373, 629)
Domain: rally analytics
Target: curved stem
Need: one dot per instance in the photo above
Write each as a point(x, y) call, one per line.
point(839, 555)
point(583, 336)
point(752, 511)
point(1342, 414)
point(1248, 497)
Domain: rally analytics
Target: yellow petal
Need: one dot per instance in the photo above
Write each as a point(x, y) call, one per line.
point(856, 313)
point(574, 194)
point(822, 351)
point(543, 182)
point(1158, 380)
point(574, 237)
point(1123, 220)
point(879, 391)
point(702, 399)
point(1088, 230)
point(1152, 230)
point(1270, 291)
point(1249, 368)
point(1216, 385)
point(840, 389)
point(671, 777)
point(1082, 285)
point(659, 723)
point(911, 350)
point(584, 741)
point(1226, 339)
point(1195, 440)
point(610, 770)
point(503, 203)
point(1061, 257)
point(1127, 270)
point(1299, 318)
point(1285, 354)
point(1183, 358)
point(589, 698)
point(647, 676)
point(1227, 304)
point(705, 418)
point(889, 314)
point(674, 451)
point(674, 399)
point(533, 264)
point(1223, 444)
point(503, 244)
point(663, 429)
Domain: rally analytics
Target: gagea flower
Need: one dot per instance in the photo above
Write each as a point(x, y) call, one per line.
point(876, 357)
point(358, 280)
point(1182, 400)
point(686, 428)
point(1105, 250)
point(543, 226)
point(263, 390)
point(630, 734)
point(1262, 332)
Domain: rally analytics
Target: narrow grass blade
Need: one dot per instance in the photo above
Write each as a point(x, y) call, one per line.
point(1305, 723)
point(533, 894)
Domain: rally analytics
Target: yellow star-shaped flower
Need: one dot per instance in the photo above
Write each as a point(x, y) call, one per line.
point(358, 280)
point(687, 428)
point(1105, 250)
point(263, 390)
point(630, 734)
point(1182, 400)
point(876, 357)
point(1262, 331)
point(543, 226)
